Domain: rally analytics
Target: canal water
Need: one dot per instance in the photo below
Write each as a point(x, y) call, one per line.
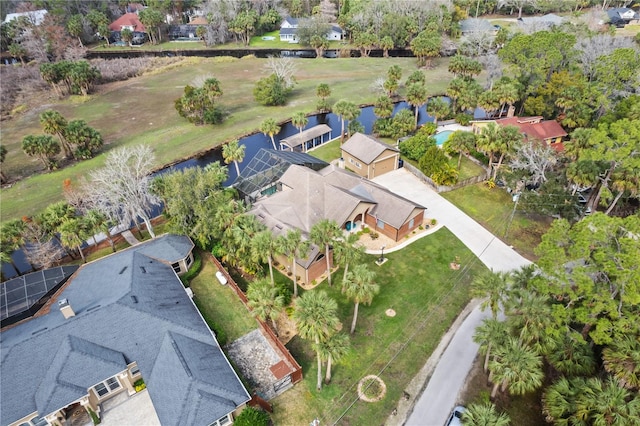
point(253, 143)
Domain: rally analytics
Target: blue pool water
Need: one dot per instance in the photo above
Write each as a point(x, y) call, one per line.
point(442, 137)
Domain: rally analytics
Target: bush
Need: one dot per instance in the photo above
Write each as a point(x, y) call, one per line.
point(463, 119)
point(193, 270)
point(432, 161)
point(285, 291)
point(271, 91)
point(252, 417)
point(416, 146)
point(221, 336)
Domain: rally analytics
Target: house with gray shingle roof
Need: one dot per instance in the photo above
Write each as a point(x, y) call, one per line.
point(308, 196)
point(477, 25)
point(115, 321)
point(289, 30)
point(368, 156)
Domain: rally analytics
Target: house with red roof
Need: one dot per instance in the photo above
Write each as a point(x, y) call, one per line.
point(129, 21)
point(549, 132)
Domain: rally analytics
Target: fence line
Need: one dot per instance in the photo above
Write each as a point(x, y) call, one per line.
point(442, 188)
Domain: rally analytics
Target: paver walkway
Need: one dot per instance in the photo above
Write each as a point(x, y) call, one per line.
point(439, 397)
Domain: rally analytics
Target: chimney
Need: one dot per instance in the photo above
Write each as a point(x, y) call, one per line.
point(66, 309)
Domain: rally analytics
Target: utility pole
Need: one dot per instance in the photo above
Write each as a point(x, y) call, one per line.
point(513, 213)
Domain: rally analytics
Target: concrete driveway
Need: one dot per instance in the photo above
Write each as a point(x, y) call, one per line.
point(434, 405)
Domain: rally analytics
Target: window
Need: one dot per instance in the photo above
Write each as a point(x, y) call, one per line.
point(379, 224)
point(134, 370)
point(189, 260)
point(411, 223)
point(176, 266)
point(221, 422)
point(106, 387)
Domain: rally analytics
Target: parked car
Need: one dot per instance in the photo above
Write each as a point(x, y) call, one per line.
point(456, 416)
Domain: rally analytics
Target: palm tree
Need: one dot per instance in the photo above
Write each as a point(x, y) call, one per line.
point(323, 91)
point(73, 232)
point(359, 288)
point(346, 111)
point(383, 108)
point(332, 350)
point(99, 222)
point(299, 120)
point(489, 335)
point(11, 239)
point(487, 141)
point(484, 415)
point(346, 252)
point(294, 247)
point(492, 286)
point(461, 142)
point(532, 315)
point(265, 302)
point(454, 91)
point(622, 360)
point(270, 128)
point(559, 400)
point(264, 247)
point(53, 123)
point(350, 115)
point(516, 368)
point(509, 139)
point(416, 96)
point(572, 355)
point(323, 233)
point(438, 108)
point(317, 319)
point(233, 152)
point(606, 403)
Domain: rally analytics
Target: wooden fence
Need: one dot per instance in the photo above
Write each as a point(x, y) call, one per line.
point(296, 374)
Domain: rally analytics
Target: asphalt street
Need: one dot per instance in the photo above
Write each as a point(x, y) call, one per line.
point(439, 397)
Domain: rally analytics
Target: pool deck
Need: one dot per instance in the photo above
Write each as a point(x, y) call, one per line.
point(453, 127)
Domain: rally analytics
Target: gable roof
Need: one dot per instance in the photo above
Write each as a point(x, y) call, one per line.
point(306, 135)
point(618, 12)
point(128, 306)
point(34, 16)
point(476, 25)
point(293, 22)
point(128, 20)
point(365, 148)
point(169, 248)
point(549, 19)
point(534, 127)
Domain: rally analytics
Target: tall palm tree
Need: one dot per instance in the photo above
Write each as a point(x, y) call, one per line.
point(509, 139)
point(454, 91)
point(359, 288)
point(416, 96)
point(299, 120)
point(622, 360)
point(572, 355)
point(532, 315)
point(488, 140)
point(323, 234)
point(516, 368)
point(351, 114)
point(265, 302)
point(492, 286)
point(559, 400)
point(317, 319)
point(383, 108)
point(489, 335)
point(264, 247)
point(437, 108)
point(11, 239)
point(332, 350)
point(294, 247)
point(270, 128)
point(484, 415)
point(345, 110)
point(99, 222)
point(233, 152)
point(606, 403)
point(73, 232)
point(346, 253)
point(53, 123)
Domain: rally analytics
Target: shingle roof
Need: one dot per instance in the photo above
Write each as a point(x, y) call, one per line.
point(128, 306)
point(535, 128)
point(476, 24)
point(365, 148)
point(169, 248)
point(285, 31)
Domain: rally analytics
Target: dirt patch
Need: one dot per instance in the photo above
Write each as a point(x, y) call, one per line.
point(371, 388)
point(286, 328)
point(390, 313)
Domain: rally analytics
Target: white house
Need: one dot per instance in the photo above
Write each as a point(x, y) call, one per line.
point(35, 16)
point(289, 29)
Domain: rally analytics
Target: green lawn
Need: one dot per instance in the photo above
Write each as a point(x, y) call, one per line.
point(492, 208)
point(219, 305)
point(425, 293)
point(328, 152)
point(141, 110)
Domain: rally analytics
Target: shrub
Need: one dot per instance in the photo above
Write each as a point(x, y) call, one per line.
point(193, 270)
point(271, 91)
point(463, 119)
point(432, 161)
point(433, 222)
point(285, 292)
point(94, 417)
point(416, 146)
point(366, 230)
point(252, 417)
point(374, 235)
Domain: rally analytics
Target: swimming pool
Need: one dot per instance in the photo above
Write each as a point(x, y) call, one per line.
point(442, 137)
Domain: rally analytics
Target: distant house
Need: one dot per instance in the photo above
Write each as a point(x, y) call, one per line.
point(307, 139)
point(307, 196)
point(542, 22)
point(260, 177)
point(289, 30)
point(477, 25)
point(187, 32)
point(131, 22)
point(36, 17)
point(549, 132)
point(117, 321)
point(368, 156)
point(621, 16)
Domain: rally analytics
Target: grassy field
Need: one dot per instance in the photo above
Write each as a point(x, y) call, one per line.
point(425, 293)
point(219, 305)
point(328, 152)
point(492, 208)
point(141, 110)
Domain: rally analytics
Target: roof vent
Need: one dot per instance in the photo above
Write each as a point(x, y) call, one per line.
point(144, 271)
point(134, 299)
point(66, 309)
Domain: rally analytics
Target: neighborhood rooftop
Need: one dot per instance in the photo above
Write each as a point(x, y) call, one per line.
point(365, 147)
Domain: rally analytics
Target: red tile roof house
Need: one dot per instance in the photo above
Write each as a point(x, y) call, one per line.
point(308, 196)
point(129, 21)
point(550, 131)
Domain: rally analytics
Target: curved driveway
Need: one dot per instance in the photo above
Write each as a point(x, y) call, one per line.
point(448, 378)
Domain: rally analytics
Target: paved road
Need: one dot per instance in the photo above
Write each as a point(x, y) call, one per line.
point(441, 393)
